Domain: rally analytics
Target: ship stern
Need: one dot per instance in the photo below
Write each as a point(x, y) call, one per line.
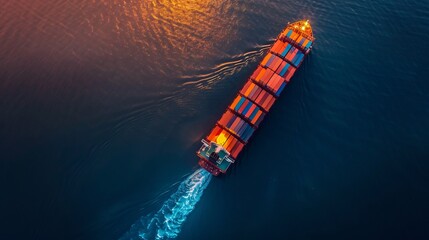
point(209, 167)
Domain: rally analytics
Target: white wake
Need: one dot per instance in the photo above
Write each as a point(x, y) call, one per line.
point(167, 222)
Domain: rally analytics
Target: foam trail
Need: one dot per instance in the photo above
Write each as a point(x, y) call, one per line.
point(167, 222)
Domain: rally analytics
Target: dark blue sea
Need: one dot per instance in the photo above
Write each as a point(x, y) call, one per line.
point(103, 104)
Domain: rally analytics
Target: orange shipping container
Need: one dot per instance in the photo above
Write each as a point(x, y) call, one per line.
point(215, 132)
point(249, 90)
point(237, 149)
point(261, 73)
point(255, 93)
point(234, 103)
point(264, 62)
point(246, 86)
point(256, 72)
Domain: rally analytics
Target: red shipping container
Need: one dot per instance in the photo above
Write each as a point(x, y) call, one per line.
point(216, 130)
point(225, 118)
point(278, 84)
point(281, 46)
point(291, 55)
point(237, 149)
point(243, 106)
point(257, 116)
point(264, 98)
point(272, 82)
point(282, 65)
point(235, 123)
point(275, 46)
point(256, 72)
point(249, 112)
point(276, 63)
point(269, 102)
point(246, 86)
point(232, 144)
point(259, 97)
point(249, 89)
point(255, 89)
point(268, 74)
point(289, 74)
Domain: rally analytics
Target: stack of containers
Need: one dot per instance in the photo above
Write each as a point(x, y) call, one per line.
point(228, 141)
point(247, 110)
point(298, 38)
point(263, 99)
point(236, 125)
point(281, 48)
point(255, 99)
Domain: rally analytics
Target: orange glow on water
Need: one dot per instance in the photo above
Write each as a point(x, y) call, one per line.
point(186, 30)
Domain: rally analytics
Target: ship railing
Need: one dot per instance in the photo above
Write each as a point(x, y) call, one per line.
point(205, 143)
point(204, 146)
point(230, 160)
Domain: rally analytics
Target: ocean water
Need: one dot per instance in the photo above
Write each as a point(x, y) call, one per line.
point(103, 104)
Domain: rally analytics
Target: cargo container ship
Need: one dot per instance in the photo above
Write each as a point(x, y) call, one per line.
point(233, 130)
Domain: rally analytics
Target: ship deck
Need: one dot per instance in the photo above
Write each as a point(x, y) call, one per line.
point(205, 153)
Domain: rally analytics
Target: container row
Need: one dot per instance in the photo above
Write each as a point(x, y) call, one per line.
point(271, 61)
point(287, 52)
point(295, 56)
point(236, 125)
point(269, 79)
point(281, 48)
point(286, 71)
point(248, 110)
point(297, 37)
point(258, 95)
point(282, 68)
